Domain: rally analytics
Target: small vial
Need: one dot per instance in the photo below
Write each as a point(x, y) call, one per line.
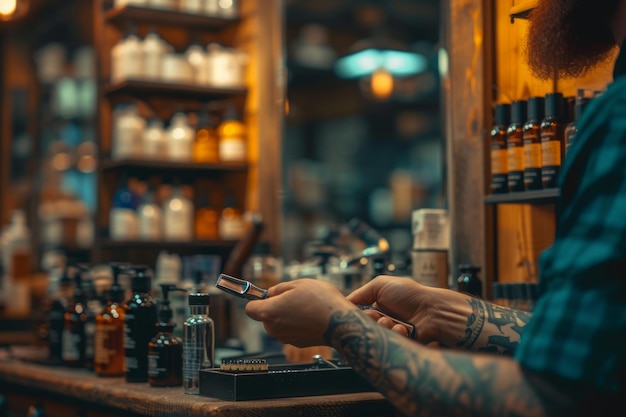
point(198, 342)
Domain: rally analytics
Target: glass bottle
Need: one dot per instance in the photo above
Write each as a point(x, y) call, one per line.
point(207, 220)
point(232, 134)
point(515, 146)
point(231, 224)
point(74, 339)
point(180, 137)
point(140, 317)
point(109, 338)
point(572, 129)
point(56, 318)
point(206, 144)
point(149, 218)
point(532, 144)
point(499, 168)
point(552, 141)
point(468, 281)
point(198, 342)
point(178, 216)
point(165, 350)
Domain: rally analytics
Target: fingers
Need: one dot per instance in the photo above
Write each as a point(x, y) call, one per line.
point(368, 293)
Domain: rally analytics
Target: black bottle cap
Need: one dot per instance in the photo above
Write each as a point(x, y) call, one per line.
point(141, 281)
point(519, 111)
point(555, 105)
point(469, 268)
point(165, 311)
point(503, 114)
point(199, 299)
point(536, 108)
point(116, 292)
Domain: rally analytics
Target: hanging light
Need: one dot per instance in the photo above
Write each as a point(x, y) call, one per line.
point(382, 84)
point(12, 9)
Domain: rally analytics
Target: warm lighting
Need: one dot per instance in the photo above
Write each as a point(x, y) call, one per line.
point(12, 9)
point(382, 84)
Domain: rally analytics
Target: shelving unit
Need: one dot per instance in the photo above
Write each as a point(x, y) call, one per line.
point(152, 88)
point(126, 15)
point(156, 166)
point(547, 196)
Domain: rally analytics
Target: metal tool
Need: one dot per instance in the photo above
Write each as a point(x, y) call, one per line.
point(240, 287)
point(410, 328)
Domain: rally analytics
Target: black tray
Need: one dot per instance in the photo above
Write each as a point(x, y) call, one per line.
point(281, 381)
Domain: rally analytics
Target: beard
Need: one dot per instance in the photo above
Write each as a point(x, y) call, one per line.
point(567, 38)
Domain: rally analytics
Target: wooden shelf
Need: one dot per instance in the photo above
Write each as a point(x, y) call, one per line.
point(522, 10)
point(149, 244)
point(109, 165)
point(157, 88)
point(547, 196)
point(135, 14)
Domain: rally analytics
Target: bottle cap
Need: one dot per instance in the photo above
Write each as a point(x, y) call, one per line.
point(555, 105)
point(199, 299)
point(503, 114)
point(469, 268)
point(519, 111)
point(536, 108)
point(141, 281)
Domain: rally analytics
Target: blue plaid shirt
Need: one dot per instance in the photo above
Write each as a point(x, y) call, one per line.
point(578, 328)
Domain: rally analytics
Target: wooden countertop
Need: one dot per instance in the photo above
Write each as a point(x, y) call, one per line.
point(144, 400)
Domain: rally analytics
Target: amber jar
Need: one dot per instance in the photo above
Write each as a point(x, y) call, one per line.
point(165, 358)
point(515, 146)
point(499, 169)
point(532, 144)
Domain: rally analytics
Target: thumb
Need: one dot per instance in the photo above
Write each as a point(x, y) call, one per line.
point(368, 293)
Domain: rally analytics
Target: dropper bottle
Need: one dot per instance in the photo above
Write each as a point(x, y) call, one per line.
point(109, 338)
point(165, 350)
point(74, 326)
point(56, 318)
point(140, 317)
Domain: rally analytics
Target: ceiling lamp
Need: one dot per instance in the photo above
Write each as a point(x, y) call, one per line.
point(366, 62)
point(12, 9)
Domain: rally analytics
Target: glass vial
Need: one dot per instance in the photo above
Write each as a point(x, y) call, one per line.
point(499, 169)
point(532, 143)
point(515, 146)
point(552, 143)
point(198, 342)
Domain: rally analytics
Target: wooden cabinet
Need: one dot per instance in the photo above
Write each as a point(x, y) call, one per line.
point(256, 31)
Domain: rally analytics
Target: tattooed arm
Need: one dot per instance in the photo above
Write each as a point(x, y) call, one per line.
point(422, 381)
point(447, 317)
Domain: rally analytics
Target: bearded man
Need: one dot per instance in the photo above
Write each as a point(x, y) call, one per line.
point(567, 358)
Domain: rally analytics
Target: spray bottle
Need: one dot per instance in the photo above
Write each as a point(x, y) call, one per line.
point(165, 350)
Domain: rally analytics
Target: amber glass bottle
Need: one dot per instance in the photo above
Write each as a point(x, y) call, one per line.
point(532, 144)
point(206, 144)
point(109, 339)
point(207, 220)
point(499, 168)
point(552, 140)
point(515, 146)
point(232, 133)
point(165, 350)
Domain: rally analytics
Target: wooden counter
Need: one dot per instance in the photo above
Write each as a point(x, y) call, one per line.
point(67, 392)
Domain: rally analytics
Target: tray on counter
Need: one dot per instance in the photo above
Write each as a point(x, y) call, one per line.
point(282, 381)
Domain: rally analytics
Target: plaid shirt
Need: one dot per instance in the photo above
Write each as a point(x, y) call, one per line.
point(578, 328)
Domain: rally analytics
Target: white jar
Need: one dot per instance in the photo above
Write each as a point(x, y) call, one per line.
point(154, 47)
point(150, 219)
point(198, 60)
point(127, 59)
point(154, 141)
point(191, 6)
point(180, 137)
point(176, 69)
point(178, 217)
point(128, 128)
point(227, 66)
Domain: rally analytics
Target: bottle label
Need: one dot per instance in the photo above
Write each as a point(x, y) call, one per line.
point(550, 152)
point(70, 346)
point(499, 161)
point(233, 150)
point(156, 366)
point(515, 159)
point(532, 155)
point(430, 267)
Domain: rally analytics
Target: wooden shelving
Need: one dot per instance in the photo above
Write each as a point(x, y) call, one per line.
point(122, 16)
point(148, 244)
point(157, 88)
point(522, 10)
point(161, 166)
point(547, 196)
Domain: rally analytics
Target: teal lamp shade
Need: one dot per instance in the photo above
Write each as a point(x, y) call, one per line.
point(365, 62)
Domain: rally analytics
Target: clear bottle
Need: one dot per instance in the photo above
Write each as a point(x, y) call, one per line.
point(165, 350)
point(532, 144)
point(150, 218)
point(499, 168)
point(140, 318)
point(178, 217)
point(198, 342)
point(109, 337)
point(552, 140)
point(515, 146)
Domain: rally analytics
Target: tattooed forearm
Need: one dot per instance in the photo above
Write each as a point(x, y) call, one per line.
point(475, 323)
point(428, 382)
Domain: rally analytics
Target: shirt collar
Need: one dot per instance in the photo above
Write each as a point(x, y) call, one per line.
point(620, 64)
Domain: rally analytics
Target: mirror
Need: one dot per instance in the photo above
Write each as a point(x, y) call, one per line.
point(363, 133)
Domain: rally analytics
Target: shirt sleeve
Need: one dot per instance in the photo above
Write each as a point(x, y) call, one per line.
point(579, 324)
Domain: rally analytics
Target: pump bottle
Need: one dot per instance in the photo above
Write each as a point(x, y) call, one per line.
point(109, 338)
point(198, 342)
point(140, 317)
point(165, 350)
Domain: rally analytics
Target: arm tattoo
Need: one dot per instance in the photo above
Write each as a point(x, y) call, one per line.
point(434, 383)
point(507, 322)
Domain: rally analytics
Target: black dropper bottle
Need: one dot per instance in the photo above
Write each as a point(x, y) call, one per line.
point(165, 350)
point(74, 339)
point(56, 318)
point(468, 281)
point(140, 315)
